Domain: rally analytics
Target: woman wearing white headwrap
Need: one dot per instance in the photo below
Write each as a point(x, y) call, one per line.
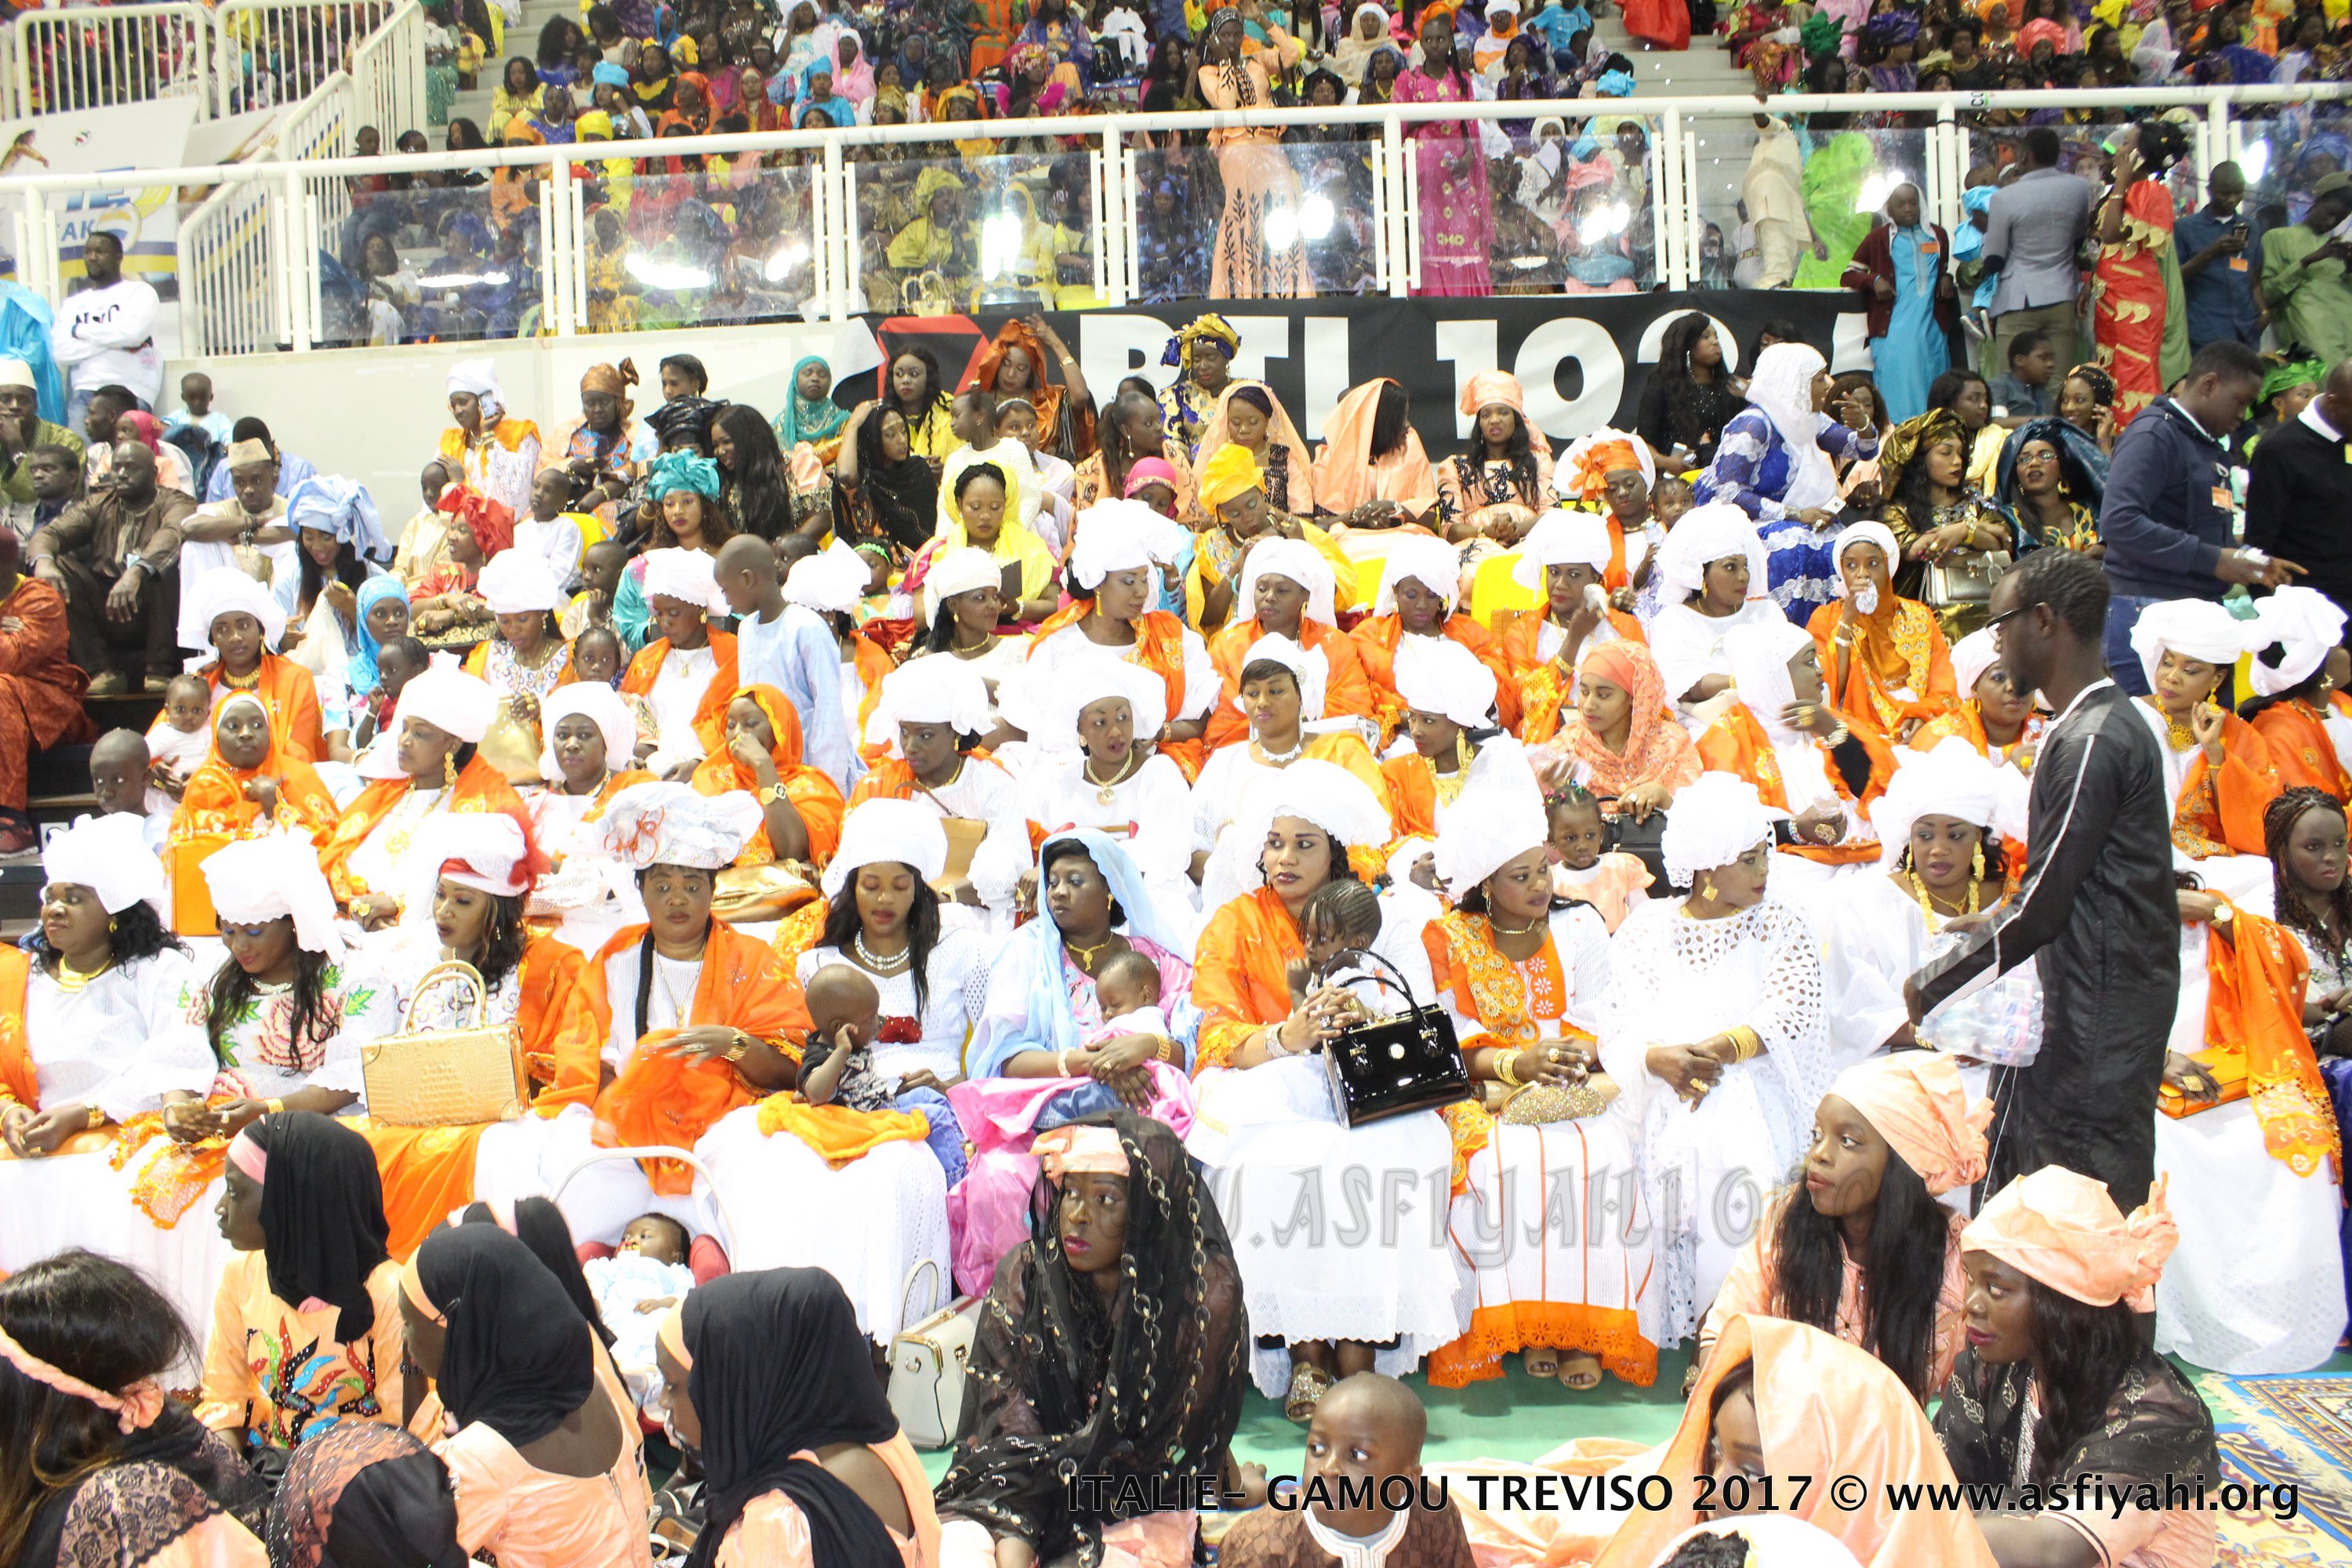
point(1993, 715)
point(1115, 585)
point(1564, 554)
point(1421, 588)
point(2296, 630)
point(1711, 578)
point(1267, 1122)
point(524, 662)
point(1280, 696)
point(2218, 768)
point(686, 674)
point(1946, 826)
point(93, 1042)
point(439, 723)
point(1883, 656)
point(497, 453)
point(1447, 693)
point(1287, 588)
point(1522, 977)
point(1774, 464)
point(1714, 1029)
point(1117, 783)
point(928, 720)
point(241, 624)
point(961, 610)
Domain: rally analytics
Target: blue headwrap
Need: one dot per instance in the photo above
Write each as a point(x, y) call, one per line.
point(333, 504)
point(1034, 954)
point(361, 666)
point(1978, 198)
point(683, 471)
point(1614, 84)
point(607, 74)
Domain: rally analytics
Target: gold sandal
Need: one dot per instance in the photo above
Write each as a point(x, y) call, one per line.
point(1309, 1385)
point(1540, 1360)
point(1579, 1370)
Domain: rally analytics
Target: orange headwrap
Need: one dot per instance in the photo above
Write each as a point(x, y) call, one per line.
point(1489, 387)
point(1918, 1104)
point(1588, 470)
point(491, 522)
point(2063, 1229)
point(615, 379)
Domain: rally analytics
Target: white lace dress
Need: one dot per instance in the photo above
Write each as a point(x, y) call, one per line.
point(2256, 1284)
point(1706, 1170)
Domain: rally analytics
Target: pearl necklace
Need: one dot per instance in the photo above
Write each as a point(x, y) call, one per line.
point(1279, 759)
point(876, 962)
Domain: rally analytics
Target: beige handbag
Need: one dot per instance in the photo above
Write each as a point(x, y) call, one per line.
point(448, 1077)
point(927, 294)
point(1964, 577)
point(928, 1361)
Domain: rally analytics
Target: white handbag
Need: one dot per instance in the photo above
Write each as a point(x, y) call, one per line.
point(927, 1367)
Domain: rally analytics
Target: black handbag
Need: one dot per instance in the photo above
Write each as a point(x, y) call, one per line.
point(1394, 1066)
point(1646, 841)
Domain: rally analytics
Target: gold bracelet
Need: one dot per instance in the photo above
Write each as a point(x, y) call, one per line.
point(1504, 1058)
point(771, 793)
point(97, 1116)
point(273, 1107)
point(1063, 1059)
point(740, 1048)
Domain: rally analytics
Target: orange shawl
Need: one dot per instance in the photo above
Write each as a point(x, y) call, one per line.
point(1658, 748)
point(2220, 811)
point(17, 1081)
point(1238, 978)
point(508, 432)
point(1899, 645)
point(291, 697)
point(214, 802)
point(479, 788)
point(660, 1098)
point(2301, 748)
point(1160, 649)
point(1413, 795)
point(710, 713)
point(1346, 693)
point(1376, 640)
point(816, 797)
point(1825, 1408)
point(2253, 1008)
point(1736, 743)
point(1518, 630)
point(1346, 474)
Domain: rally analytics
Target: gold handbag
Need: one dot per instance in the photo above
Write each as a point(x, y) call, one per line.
point(964, 836)
point(769, 892)
point(446, 1078)
point(1964, 577)
point(1538, 1104)
point(927, 294)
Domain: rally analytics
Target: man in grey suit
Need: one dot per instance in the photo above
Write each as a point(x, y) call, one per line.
point(2034, 228)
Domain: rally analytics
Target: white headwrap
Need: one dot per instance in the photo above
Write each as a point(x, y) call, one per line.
point(1314, 672)
point(1952, 780)
point(270, 878)
point(1299, 561)
point(1705, 534)
point(1782, 386)
point(477, 376)
point(488, 849)
point(108, 854)
point(937, 688)
point(1094, 678)
point(883, 831)
point(830, 581)
point(1428, 561)
point(1714, 821)
point(227, 593)
point(1876, 533)
point(1438, 675)
point(2194, 628)
point(2306, 623)
point(517, 581)
point(1113, 536)
point(600, 705)
point(1562, 538)
point(1498, 817)
point(1324, 794)
point(663, 824)
point(689, 576)
point(1758, 654)
point(1972, 656)
point(958, 571)
point(450, 701)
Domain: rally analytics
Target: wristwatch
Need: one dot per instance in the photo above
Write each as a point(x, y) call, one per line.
point(770, 794)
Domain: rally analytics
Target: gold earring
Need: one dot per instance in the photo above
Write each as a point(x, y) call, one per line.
point(112, 925)
point(1705, 890)
point(1977, 864)
point(449, 770)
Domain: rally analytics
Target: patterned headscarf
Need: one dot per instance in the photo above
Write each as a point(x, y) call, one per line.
point(683, 471)
point(1179, 350)
point(1655, 740)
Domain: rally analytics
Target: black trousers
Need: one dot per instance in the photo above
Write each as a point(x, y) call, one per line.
point(146, 644)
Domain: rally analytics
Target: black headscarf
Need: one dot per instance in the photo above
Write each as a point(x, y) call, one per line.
point(1150, 1386)
point(541, 1225)
point(779, 1367)
point(684, 415)
point(364, 1495)
point(322, 1215)
point(518, 1356)
point(905, 495)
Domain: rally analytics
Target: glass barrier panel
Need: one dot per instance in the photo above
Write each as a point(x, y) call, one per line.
point(434, 261)
point(1571, 206)
point(1256, 219)
point(1784, 206)
point(2284, 157)
point(671, 244)
point(1002, 231)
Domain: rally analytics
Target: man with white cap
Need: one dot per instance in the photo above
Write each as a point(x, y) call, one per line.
point(105, 333)
point(115, 557)
point(22, 429)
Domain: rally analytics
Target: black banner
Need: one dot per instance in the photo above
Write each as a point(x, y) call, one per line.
point(1583, 359)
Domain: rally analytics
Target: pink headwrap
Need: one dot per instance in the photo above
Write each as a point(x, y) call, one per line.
point(1080, 1151)
point(2063, 1229)
point(142, 427)
point(134, 1409)
point(248, 1156)
point(1150, 471)
point(1918, 1104)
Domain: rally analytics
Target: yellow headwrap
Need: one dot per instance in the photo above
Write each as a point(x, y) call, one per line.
point(1230, 471)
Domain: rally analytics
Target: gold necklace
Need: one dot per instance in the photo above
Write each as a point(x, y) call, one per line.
point(1086, 955)
point(71, 979)
point(684, 1011)
point(2177, 733)
point(1448, 786)
point(1928, 900)
point(1104, 787)
point(1501, 930)
point(246, 684)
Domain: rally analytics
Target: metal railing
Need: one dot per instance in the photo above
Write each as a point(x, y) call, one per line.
point(103, 57)
point(281, 51)
point(569, 239)
point(248, 53)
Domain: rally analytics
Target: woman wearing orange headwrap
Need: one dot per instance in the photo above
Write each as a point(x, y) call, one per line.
point(1863, 1250)
point(1784, 1401)
point(802, 807)
point(2056, 1385)
point(1624, 744)
point(1498, 488)
point(1372, 471)
point(249, 786)
point(1014, 366)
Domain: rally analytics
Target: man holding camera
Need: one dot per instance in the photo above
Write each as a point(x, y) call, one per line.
point(2221, 265)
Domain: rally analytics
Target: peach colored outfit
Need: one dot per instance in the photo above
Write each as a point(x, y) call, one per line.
point(773, 1532)
point(535, 1519)
point(1347, 475)
point(219, 1541)
point(274, 1369)
point(1613, 885)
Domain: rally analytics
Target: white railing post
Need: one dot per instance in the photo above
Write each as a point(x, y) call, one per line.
point(1669, 208)
point(833, 234)
point(1401, 211)
point(1130, 154)
point(2214, 145)
point(555, 223)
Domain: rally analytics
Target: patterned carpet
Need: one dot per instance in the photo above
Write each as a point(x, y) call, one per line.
point(2294, 1429)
